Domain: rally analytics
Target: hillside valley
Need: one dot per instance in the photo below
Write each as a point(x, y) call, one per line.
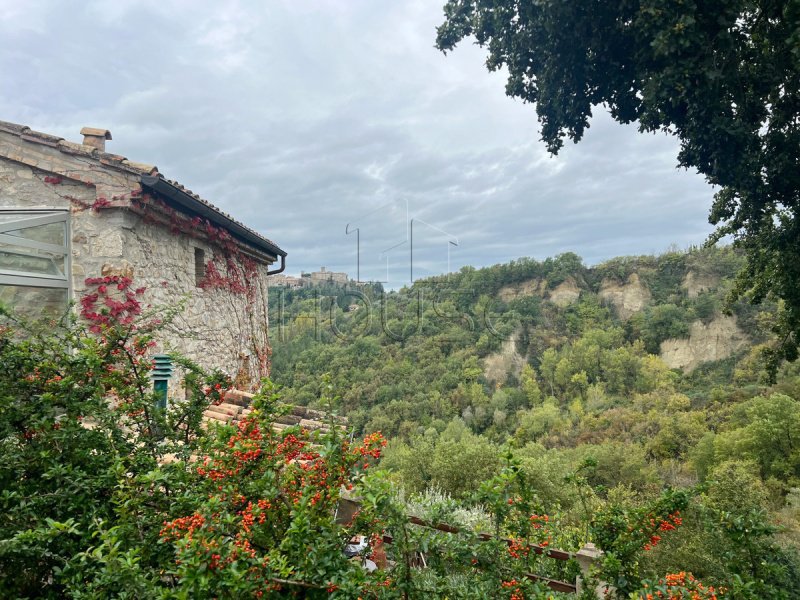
point(610, 382)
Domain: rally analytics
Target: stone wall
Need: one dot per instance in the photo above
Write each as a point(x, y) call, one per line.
point(217, 329)
point(23, 187)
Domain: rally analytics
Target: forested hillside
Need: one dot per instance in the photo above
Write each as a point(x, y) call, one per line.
point(570, 367)
point(490, 346)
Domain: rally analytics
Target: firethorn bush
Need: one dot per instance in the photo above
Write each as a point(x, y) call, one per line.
point(263, 520)
point(89, 465)
point(680, 585)
point(624, 533)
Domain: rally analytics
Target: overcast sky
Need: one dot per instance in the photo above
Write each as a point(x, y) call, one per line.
point(301, 116)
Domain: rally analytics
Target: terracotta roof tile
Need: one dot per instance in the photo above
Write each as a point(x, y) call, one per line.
point(111, 157)
point(236, 406)
point(143, 167)
point(13, 127)
point(227, 216)
point(77, 149)
point(104, 133)
point(41, 138)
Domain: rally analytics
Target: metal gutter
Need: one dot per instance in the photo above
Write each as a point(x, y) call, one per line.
point(196, 206)
point(281, 268)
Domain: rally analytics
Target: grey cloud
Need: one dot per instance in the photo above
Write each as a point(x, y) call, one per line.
point(300, 117)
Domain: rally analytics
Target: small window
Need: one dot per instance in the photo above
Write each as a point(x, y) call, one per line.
point(199, 266)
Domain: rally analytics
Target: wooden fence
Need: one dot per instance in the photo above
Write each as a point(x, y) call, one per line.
point(585, 557)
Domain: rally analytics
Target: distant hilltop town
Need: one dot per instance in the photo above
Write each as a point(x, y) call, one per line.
point(321, 277)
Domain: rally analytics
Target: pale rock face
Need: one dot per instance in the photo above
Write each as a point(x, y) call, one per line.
point(628, 298)
point(532, 287)
point(566, 293)
point(717, 340)
point(498, 365)
point(696, 283)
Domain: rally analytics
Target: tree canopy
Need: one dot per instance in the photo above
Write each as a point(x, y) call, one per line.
point(720, 75)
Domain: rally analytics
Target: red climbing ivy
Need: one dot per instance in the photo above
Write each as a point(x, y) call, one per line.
point(112, 302)
point(240, 274)
point(231, 269)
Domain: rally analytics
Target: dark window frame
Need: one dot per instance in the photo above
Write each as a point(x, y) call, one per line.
point(199, 266)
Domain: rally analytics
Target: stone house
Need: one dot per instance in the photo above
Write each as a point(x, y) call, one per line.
point(72, 212)
point(324, 276)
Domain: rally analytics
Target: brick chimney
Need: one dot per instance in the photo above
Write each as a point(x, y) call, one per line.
point(96, 138)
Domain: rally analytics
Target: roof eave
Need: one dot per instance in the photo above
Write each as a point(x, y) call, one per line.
point(188, 202)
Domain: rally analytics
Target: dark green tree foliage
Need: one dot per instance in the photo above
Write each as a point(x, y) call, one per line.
point(659, 323)
point(722, 76)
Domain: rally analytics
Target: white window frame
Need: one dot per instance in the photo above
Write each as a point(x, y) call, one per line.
point(30, 217)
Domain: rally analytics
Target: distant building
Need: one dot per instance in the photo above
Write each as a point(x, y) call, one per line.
point(286, 281)
point(324, 276)
point(321, 277)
